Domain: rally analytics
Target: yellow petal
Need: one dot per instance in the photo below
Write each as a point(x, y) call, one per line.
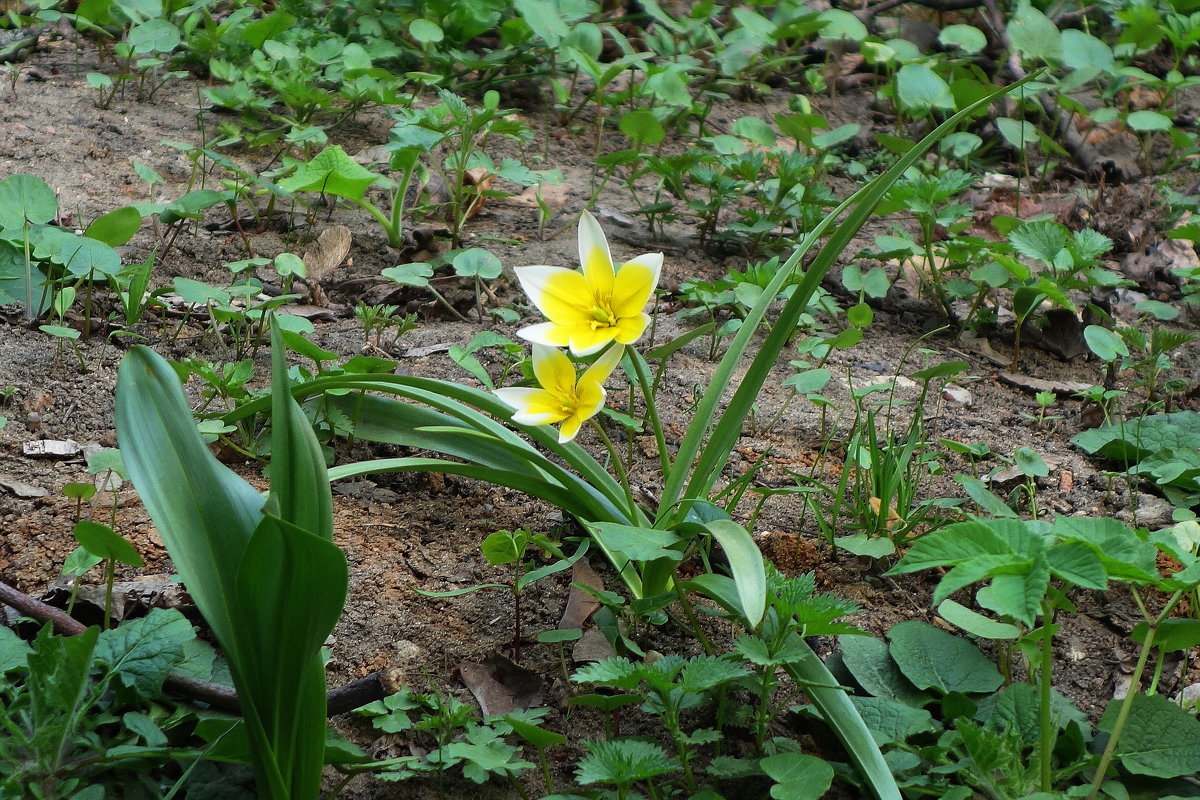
point(634, 284)
point(569, 429)
point(554, 371)
point(546, 333)
point(594, 256)
point(598, 372)
point(630, 329)
point(562, 295)
point(586, 340)
point(532, 406)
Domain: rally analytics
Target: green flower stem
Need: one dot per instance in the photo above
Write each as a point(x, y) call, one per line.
point(643, 379)
point(1127, 703)
point(615, 458)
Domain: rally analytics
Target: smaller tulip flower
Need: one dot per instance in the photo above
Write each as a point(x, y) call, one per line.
point(590, 307)
point(561, 398)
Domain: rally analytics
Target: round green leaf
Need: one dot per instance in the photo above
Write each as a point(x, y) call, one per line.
point(921, 90)
point(642, 127)
point(476, 263)
point(116, 227)
point(1143, 121)
point(290, 264)
point(1030, 463)
point(101, 540)
point(966, 38)
point(26, 198)
point(425, 31)
point(156, 35)
point(839, 24)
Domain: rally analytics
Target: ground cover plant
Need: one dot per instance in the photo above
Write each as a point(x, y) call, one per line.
point(644, 401)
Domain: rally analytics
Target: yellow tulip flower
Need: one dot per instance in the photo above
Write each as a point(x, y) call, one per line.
point(561, 397)
point(590, 307)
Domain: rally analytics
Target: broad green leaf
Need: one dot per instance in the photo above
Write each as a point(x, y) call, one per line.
point(964, 541)
point(797, 776)
point(102, 541)
point(13, 650)
point(203, 511)
point(476, 263)
point(746, 566)
point(975, 623)
point(1030, 463)
point(642, 127)
point(116, 227)
point(891, 721)
point(290, 590)
point(157, 35)
point(417, 274)
point(1033, 35)
point(1017, 132)
point(1172, 634)
point(636, 543)
point(142, 652)
point(869, 662)
point(191, 204)
point(1082, 51)
point(967, 38)
point(26, 199)
point(921, 90)
point(934, 659)
point(331, 172)
point(1106, 344)
point(987, 501)
point(840, 24)
point(1159, 738)
point(1015, 711)
point(1078, 563)
point(1145, 120)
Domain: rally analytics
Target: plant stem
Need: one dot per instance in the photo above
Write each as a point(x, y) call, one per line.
point(1045, 718)
point(615, 458)
point(1127, 703)
point(643, 379)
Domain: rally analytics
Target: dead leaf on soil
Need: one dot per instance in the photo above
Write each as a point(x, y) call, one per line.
point(1036, 385)
point(580, 603)
point(553, 195)
point(21, 489)
point(427, 350)
point(500, 686)
point(592, 646)
point(332, 247)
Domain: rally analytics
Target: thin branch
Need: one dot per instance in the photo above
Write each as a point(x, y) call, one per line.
point(340, 700)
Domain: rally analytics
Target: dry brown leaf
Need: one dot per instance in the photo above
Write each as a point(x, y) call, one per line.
point(580, 603)
point(333, 245)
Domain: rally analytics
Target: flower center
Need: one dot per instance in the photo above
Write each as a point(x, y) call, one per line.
point(602, 314)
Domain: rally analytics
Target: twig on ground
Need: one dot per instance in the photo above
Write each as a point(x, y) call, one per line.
point(340, 700)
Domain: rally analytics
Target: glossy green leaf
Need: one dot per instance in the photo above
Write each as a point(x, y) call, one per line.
point(101, 540)
point(745, 565)
point(331, 172)
point(116, 227)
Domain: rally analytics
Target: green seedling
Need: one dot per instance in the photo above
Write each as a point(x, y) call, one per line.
point(509, 548)
point(109, 546)
point(378, 319)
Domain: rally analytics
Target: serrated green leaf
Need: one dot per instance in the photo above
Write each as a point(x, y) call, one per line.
point(142, 652)
point(331, 172)
point(891, 721)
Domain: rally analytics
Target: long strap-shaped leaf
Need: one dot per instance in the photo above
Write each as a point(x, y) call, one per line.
point(811, 674)
point(715, 453)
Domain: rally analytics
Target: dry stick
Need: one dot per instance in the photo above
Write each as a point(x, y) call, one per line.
point(1087, 156)
point(348, 697)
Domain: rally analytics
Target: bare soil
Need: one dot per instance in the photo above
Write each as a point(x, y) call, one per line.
point(423, 532)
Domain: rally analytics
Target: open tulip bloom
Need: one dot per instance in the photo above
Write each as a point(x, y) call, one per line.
point(594, 305)
point(561, 397)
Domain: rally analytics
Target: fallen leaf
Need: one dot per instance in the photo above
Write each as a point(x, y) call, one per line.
point(592, 646)
point(500, 686)
point(554, 195)
point(307, 311)
point(1036, 385)
point(580, 603)
point(333, 245)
